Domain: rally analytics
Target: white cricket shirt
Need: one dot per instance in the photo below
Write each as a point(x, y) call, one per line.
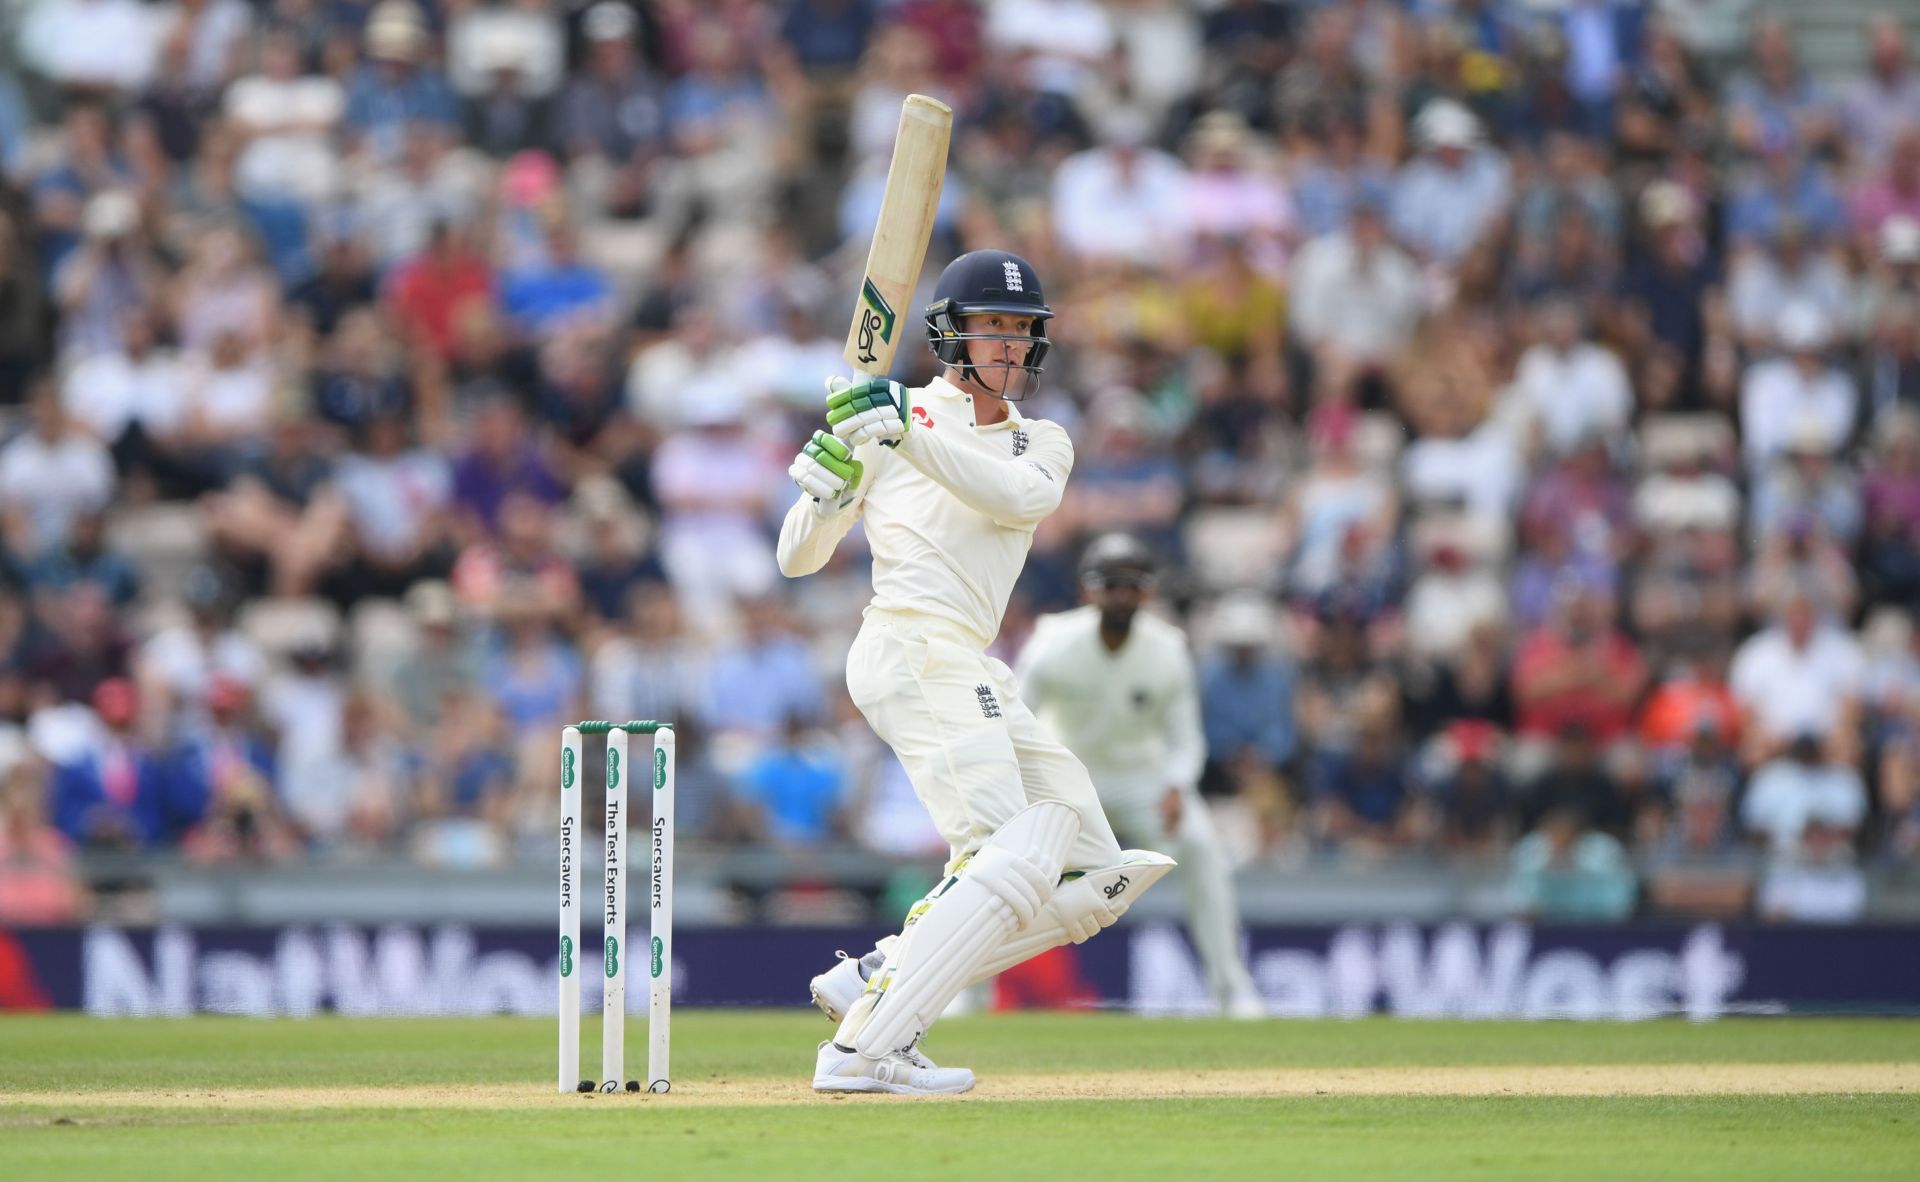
point(949, 513)
point(1131, 715)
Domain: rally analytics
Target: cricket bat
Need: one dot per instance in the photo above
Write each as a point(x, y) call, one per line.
point(900, 238)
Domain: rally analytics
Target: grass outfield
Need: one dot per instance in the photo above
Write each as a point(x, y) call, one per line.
point(1061, 1097)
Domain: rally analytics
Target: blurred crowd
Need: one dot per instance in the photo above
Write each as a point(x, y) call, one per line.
point(1523, 396)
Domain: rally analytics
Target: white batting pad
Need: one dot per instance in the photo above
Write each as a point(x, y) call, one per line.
point(972, 914)
point(1081, 908)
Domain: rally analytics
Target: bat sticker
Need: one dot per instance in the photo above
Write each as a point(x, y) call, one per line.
point(876, 320)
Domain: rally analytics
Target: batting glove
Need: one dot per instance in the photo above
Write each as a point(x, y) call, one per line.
point(825, 468)
point(873, 410)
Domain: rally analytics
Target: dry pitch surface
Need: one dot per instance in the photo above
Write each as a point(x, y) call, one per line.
point(1060, 1097)
point(1665, 1079)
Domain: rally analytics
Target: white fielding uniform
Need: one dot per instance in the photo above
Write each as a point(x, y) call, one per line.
point(1133, 717)
point(950, 515)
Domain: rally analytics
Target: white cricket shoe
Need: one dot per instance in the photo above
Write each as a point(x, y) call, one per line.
point(903, 1073)
point(835, 990)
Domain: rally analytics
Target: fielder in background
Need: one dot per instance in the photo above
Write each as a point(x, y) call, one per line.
point(950, 481)
point(1117, 685)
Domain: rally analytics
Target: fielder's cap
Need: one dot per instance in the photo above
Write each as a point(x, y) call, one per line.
point(1111, 556)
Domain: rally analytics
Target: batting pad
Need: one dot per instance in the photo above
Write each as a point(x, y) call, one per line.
point(1001, 888)
point(1080, 908)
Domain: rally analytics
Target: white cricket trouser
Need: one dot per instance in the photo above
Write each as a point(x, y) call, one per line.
point(1213, 914)
point(973, 751)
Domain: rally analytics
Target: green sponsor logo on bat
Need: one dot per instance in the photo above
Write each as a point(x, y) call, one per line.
point(879, 304)
point(613, 956)
point(876, 320)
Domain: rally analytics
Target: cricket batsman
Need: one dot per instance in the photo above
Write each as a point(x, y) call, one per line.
point(950, 481)
point(1117, 685)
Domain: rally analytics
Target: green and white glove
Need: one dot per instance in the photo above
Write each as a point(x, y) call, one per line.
point(872, 410)
point(825, 469)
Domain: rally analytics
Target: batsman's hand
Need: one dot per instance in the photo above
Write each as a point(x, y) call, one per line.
point(872, 410)
point(825, 469)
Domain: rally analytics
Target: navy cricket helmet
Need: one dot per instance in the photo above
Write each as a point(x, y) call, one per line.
point(989, 281)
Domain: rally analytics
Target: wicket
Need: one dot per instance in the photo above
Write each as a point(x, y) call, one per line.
point(614, 942)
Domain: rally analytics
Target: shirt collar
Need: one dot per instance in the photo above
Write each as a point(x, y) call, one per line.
point(940, 387)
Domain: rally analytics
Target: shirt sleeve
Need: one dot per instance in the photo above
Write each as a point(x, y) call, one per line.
point(1013, 492)
point(813, 528)
point(810, 532)
point(1186, 741)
